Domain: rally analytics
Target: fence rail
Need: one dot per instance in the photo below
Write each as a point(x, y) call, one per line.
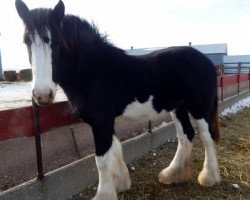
point(236, 67)
point(238, 74)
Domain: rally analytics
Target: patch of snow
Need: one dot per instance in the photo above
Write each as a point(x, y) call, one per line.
point(163, 124)
point(16, 95)
point(240, 105)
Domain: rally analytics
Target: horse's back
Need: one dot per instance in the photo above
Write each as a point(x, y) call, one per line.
point(182, 61)
point(185, 75)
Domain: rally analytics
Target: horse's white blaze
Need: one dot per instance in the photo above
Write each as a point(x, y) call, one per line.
point(113, 173)
point(136, 110)
point(42, 84)
point(210, 173)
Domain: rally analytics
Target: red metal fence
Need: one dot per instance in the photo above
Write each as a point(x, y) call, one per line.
point(20, 122)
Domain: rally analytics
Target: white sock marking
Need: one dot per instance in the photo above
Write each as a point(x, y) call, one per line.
point(210, 173)
point(112, 169)
point(179, 168)
point(184, 149)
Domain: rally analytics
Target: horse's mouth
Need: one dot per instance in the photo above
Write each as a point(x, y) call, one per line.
point(43, 102)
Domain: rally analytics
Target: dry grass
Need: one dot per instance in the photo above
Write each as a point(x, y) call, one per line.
point(233, 157)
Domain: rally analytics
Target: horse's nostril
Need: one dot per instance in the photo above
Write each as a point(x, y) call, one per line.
point(34, 95)
point(51, 95)
point(43, 97)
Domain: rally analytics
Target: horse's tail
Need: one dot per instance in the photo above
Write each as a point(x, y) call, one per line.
point(214, 122)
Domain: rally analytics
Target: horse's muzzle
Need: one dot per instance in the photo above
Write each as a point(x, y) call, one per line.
point(43, 98)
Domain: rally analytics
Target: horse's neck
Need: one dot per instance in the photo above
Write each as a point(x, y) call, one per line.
point(89, 47)
point(88, 60)
point(97, 54)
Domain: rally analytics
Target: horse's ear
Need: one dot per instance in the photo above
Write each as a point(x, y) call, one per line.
point(58, 11)
point(23, 11)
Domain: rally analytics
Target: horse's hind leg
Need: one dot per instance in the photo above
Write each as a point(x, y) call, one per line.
point(179, 169)
point(209, 175)
point(113, 172)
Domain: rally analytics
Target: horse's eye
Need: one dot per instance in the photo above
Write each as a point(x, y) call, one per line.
point(27, 39)
point(54, 43)
point(45, 39)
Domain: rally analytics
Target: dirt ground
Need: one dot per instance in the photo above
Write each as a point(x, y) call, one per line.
point(233, 157)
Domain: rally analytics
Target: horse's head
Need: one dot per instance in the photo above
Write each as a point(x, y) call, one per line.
point(39, 36)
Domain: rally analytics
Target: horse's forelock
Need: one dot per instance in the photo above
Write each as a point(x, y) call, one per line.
point(39, 22)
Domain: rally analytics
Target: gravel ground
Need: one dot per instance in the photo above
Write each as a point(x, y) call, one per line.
point(234, 160)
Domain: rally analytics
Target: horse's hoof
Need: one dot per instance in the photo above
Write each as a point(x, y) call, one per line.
point(122, 180)
point(122, 184)
point(105, 196)
point(173, 174)
point(208, 179)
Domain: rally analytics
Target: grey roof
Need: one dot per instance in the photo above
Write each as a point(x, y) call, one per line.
point(212, 48)
point(142, 51)
point(206, 49)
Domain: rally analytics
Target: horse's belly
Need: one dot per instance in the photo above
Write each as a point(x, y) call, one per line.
point(137, 110)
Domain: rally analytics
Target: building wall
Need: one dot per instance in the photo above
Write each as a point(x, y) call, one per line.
point(217, 59)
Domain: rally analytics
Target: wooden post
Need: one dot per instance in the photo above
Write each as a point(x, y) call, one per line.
point(37, 132)
point(150, 126)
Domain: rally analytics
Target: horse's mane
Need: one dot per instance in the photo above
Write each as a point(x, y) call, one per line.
point(84, 37)
point(75, 30)
point(78, 31)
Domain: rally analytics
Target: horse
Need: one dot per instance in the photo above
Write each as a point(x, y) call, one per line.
point(103, 82)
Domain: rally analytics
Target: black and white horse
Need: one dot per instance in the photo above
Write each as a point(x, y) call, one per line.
point(102, 82)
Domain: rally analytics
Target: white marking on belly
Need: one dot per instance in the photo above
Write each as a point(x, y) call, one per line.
point(137, 110)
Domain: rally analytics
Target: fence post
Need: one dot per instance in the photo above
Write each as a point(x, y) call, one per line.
point(150, 126)
point(222, 75)
point(238, 77)
point(39, 159)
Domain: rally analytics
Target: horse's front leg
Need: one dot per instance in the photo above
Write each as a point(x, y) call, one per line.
point(113, 172)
